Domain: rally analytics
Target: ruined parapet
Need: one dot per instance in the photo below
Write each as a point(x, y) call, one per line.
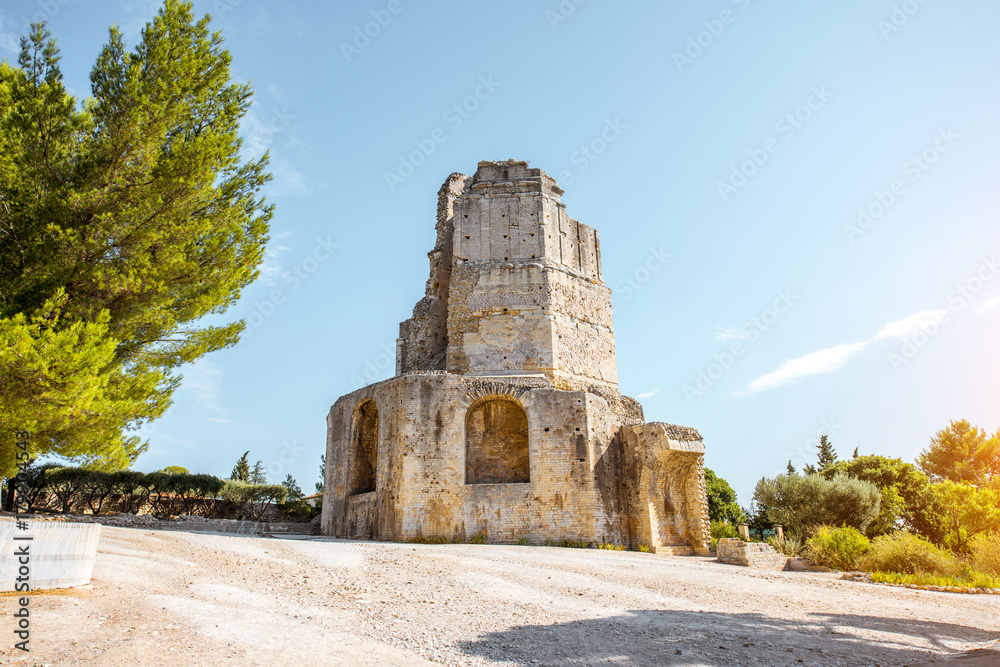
point(756, 555)
point(664, 466)
point(423, 339)
point(515, 285)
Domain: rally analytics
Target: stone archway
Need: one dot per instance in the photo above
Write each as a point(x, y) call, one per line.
point(364, 448)
point(496, 441)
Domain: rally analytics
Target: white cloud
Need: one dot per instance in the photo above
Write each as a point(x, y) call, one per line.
point(912, 324)
point(832, 358)
point(9, 40)
point(649, 393)
point(730, 334)
point(823, 361)
point(201, 380)
point(219, 420)
point(990, 305)
point(287, 181)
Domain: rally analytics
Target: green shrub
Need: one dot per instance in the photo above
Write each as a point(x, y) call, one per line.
point(523, 541)
point(611, 547)
point(969, 580)
point(645, 549)
point(985, 553)
point(721, 529)
point(788, 545)
point(906, 553)
point(800, 502)
point(573, 544)
point(478, 538)
point(838, 548)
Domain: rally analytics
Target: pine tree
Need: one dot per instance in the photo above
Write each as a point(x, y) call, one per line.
point(123, 222)
point(258, 475)
point(241, 472)
point(294, 492)
point(322, 474)
point(826, 454)
point(790, 470)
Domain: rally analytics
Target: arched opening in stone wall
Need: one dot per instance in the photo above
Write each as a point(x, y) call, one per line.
point(496, 442)
point(364, 448)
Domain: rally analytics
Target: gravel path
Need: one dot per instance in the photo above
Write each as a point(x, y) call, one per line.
point(161, 598)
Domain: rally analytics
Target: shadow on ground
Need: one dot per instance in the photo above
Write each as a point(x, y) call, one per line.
point(663, 637)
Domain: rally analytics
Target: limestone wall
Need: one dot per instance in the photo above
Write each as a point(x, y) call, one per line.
point(515, 285)
point(422, 475)
point(757, 555)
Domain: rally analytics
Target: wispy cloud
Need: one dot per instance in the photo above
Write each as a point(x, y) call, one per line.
point(648, 394)
point(220, 420)
point(202, 382)
point(9, 40)
point(990, 305)
point(823, 361)
point(271, 269)
point(911, 325)
point(830, 359)
point(730, 334)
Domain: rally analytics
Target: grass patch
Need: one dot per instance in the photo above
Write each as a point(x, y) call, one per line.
point(645, 549)
point(573, 544)
point(971, 580)
point(522, 541)
point(478, 538)
point(433, 539)
point(611, 547)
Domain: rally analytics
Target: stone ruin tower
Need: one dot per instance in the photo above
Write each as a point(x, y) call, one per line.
point(504, 416)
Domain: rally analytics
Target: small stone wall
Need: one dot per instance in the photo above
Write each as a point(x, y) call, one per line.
point(188, 523)
point(757, 555)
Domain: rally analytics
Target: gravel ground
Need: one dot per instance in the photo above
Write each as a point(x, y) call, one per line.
point(170, 598)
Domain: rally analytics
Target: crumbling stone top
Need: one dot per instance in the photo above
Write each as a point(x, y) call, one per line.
point(676, 432)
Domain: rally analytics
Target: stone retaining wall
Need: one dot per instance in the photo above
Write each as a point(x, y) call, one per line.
point(186, 523)
point(757, 555)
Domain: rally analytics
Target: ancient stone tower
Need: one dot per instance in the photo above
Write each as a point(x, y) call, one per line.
point(504, 416)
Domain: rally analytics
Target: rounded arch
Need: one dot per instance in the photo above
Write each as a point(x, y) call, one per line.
point(364, 447)
point(496, 441)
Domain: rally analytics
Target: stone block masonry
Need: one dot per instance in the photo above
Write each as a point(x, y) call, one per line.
point(504, 417)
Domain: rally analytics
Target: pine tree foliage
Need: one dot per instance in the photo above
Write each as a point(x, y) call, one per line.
point(241, 471)
point(124, 221)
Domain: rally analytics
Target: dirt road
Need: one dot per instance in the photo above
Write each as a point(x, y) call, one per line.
point(171, 598)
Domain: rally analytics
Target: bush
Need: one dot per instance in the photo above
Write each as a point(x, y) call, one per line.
point(906, 553)
point(478, 538)
point(968, 580)
point(788, 545)
point(838, 548)
point(721, 529)
point(985, 553)
point(800, 502)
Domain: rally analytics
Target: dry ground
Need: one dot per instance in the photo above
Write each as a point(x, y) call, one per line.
point(171, 598)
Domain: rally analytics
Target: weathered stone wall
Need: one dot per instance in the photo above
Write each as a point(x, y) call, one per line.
point(515, 285)
point(757, 555)
point(568, 432)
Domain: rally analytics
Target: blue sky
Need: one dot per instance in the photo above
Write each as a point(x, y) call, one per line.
point(796, 204)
